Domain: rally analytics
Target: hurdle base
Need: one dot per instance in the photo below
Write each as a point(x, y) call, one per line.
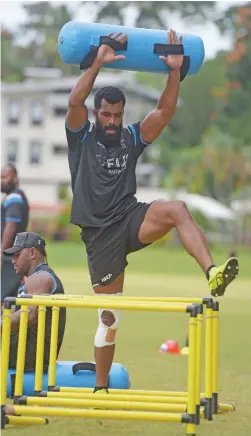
point(3, 416)
point(188, 418)
point(208, 411)
point(55, 388)
point(16, 399)
point(43, 394)
point(197, 414)
point(215, 403)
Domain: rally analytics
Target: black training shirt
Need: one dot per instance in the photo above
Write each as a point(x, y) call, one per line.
point(103, 178)
point(15, 208)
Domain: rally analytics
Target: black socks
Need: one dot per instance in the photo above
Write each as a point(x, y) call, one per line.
point(99, 388)
point(208, 271)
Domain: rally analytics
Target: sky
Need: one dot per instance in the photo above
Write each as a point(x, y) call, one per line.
point(11, 14)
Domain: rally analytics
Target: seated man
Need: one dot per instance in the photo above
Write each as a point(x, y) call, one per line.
point(29, 260)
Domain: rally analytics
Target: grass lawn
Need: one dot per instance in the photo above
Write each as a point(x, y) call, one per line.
point(161, 273)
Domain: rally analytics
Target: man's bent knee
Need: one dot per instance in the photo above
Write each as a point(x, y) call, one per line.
point(175, 211)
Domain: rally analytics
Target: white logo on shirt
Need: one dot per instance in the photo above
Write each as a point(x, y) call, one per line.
point(115, 165)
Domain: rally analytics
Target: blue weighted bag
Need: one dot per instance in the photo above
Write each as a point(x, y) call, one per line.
point(78, 44)
point(73, 374)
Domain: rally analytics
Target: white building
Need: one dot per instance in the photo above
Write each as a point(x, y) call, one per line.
point(33, 130)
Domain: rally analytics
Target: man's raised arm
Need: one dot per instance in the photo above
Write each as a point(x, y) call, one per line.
point(157, 120)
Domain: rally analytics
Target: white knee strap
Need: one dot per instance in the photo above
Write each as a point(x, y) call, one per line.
point(106, 335)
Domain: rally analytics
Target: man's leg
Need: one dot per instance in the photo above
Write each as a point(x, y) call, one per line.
point(104, 353)
point(162, 216)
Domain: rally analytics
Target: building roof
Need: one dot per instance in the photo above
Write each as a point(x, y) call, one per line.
point(242, 207)
point(209, 207)
point(125, 80)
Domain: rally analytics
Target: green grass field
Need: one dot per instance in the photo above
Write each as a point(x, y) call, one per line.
point(158, 272)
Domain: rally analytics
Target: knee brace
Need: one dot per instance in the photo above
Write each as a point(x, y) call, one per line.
point(105, 336)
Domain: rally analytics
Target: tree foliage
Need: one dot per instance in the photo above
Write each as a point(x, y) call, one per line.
point(153, 14)
point(235, 103)
point(217, 168)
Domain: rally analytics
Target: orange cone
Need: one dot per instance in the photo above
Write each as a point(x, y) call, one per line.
point(170, 347)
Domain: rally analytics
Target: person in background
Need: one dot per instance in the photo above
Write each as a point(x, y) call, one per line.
point(30, 260)
point(14, 219)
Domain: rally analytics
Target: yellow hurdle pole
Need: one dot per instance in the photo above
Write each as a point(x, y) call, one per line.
point(95, 302)
point(113, 398)
point(102, 403)
point(53, 347)
point(192, 335)
point(215, 363)
point(5, 353)
point(127, 298)
point(21, 350)
point(25, 420)
point(123, 391)
point(104, 414)
point(200, 321)
point(40, 350)
point(208, 361)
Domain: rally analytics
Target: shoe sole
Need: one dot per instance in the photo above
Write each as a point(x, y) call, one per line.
point(230, 272)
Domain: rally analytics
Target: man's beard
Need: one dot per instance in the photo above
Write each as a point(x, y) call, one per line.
point(7, 188)
point(108, 139)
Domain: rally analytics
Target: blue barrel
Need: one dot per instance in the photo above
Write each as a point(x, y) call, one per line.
point(70, 374)
point(76, 38)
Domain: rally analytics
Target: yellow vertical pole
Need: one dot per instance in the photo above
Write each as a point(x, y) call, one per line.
point(200, 321)
point(5, 351)
point(21, 351)
point(208, 360)
point(215, 356)
point(40, 349)
point(53, 347)
point(192, 337)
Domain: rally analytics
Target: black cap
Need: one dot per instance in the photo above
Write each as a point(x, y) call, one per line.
point(27, 240)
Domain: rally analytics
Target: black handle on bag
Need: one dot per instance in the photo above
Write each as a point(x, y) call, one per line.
point(174, 49)
point(113, 43)
point(168, 49)
point(86, 366)
point(83, 366)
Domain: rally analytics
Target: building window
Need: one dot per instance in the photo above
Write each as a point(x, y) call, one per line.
point(36, 113)
point(12, 151)
point(60, 150)
point(35, 152)
point(14, 112)
point(59, 111)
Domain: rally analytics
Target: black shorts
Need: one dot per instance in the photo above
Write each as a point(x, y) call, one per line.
point(10, 281)
point(107, 248)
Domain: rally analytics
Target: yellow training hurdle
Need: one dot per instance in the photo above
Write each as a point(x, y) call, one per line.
point(183, 407)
